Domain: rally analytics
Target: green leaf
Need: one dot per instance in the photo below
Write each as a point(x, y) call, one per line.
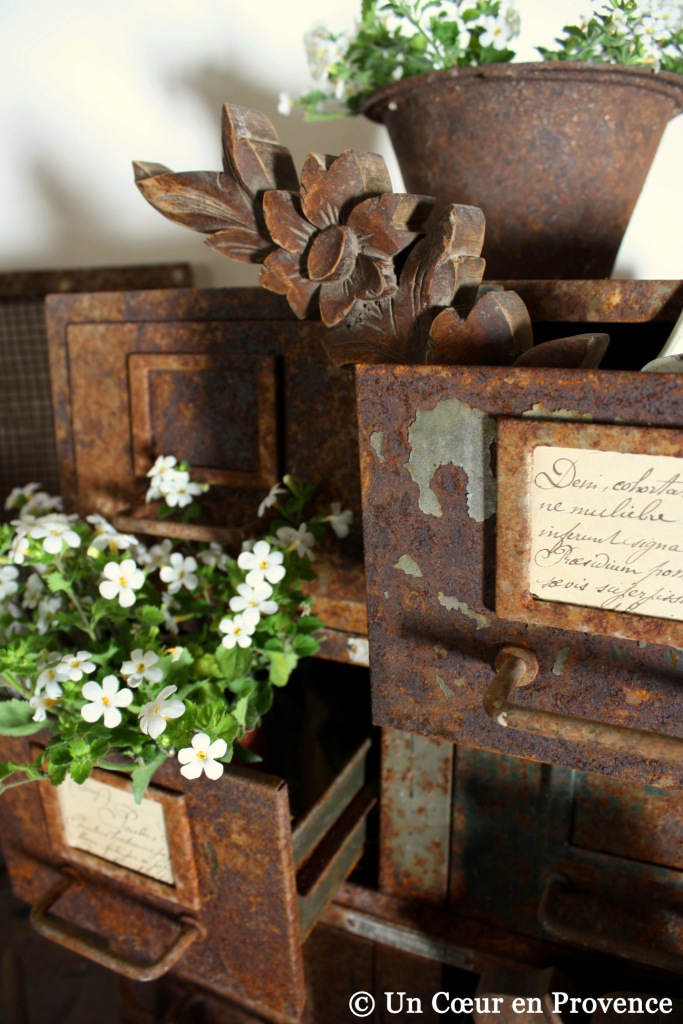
point(59, 755)
point(57, 773)
point(16, 718)
point(141, 777)
point(305, 646)
point(234, 663)
point(56, 582)
point(150, 615)
point(79, 747)
point(81, 771)
point(245, 754)
point(6, 769)
point(309, 624)
point(282, 664)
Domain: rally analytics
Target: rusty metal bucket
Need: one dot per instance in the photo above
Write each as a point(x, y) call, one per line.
point(555, 154)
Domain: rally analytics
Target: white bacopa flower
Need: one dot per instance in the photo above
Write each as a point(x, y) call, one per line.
point(75, 665)
point(180, 573)
point(33, 591)
point(18, 495)
point(140, 668)
point(106, 536)
point(106, 701)
point(240, 629)
point(256, 598)
point(156, 713)
point(262, 564)
point(340, 521)
point(157, 555)
point(164, 464)
point(271, 498)
point(55, 531)
point(285, 104)
point(214, 555)
point(47, 609)
point(495, 34)
point(175, 652)
point(20, 545)
point(201, 757)
point(8, 581)
point(122, 580)
point(40, 702)
point(302, 540)
point(51, 679)
point(177, 489)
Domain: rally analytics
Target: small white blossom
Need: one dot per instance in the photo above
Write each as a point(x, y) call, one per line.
point(175, 652)
point(157, 555)
point(201, 757)
point(55, 531)
point(262, 564)
point(156, 713)
point(214, 555)
point(285, 104)
point(495, 34)
point(180, 573)
point(40, 702)
point(47, 609)
point(177, 489)
point(122, 580)
point(107, 537)
point(340, 521)
point(257, 598)
point(302, 540)
point(106, 701)
point(51, 679)
point(31, 501)
point(74, 665)
point(271, 498)
point(20, 545)
point(33, 591)
point(239, 630)
point(8, 581)
point(140, 668)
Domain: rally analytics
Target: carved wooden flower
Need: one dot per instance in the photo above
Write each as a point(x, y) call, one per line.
point(339, 235)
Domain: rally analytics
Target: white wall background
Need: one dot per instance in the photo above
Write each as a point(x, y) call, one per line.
point(89, 85)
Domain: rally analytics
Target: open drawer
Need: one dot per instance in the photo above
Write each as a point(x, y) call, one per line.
point(447, 464)
point(211, 880)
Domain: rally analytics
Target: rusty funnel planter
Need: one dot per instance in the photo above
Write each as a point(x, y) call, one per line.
point(555, 154)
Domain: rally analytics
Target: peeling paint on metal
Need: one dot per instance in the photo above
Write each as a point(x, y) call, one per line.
point(617, 653)
point(444, 689)
point(408, 565)
point(539, 411)
point(376, 442)
point(676, 656)
point(358, 650)
point(386, 595)
point(440, 650)
point(561, 661)
point(502, 718)
point(453, 433)
point(454, 605)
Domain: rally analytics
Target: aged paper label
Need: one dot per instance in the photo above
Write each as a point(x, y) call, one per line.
point(607, 530)
point(106, 821)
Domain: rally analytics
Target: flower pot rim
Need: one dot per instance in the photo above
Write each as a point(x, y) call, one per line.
point(669, 83)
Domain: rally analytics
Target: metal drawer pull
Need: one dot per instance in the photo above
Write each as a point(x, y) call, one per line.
point(518, 667)
point(67, 935)
point(594, 939)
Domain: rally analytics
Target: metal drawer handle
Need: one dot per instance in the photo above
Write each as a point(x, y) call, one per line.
point(518, 667)
point(67, 935)
point(610, 944)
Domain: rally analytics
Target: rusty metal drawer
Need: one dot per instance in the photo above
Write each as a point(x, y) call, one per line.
point(448, 569)
point(246, 885)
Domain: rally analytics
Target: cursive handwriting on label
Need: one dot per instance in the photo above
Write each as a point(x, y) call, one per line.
point(607, 530)
point(106, 821)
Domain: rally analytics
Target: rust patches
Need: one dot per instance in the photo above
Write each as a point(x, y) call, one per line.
point(454, 605)
point(540, 411)
point(408, 565)
point(636, 697)
point(453, 433)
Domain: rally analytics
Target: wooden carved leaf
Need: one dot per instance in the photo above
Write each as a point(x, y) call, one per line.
point(494, 332)
point(444, 266)
point(368, 338)
point(253, 153)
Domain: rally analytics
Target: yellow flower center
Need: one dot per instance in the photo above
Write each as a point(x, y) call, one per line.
point(122, 581)
point(140, 666)
point(201, 755)
point(106, 701)
point(263, 565)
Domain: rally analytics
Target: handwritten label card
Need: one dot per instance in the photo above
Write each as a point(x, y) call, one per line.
point(106, 821)
point(607, 530)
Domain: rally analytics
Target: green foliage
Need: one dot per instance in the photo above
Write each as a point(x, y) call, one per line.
point(398, 39)
point(162, 661)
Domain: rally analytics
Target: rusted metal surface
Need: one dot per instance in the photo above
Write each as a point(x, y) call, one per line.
point(600, 302)
point(506, 987)
point(27, 440)
point(511, 666)
point(242, 852)
point(415, 816)
point(458, 135)
point(429, 492)
point(517, 825)
point(206, 349)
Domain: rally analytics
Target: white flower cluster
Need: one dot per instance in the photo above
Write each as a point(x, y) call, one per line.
point(170, 484)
